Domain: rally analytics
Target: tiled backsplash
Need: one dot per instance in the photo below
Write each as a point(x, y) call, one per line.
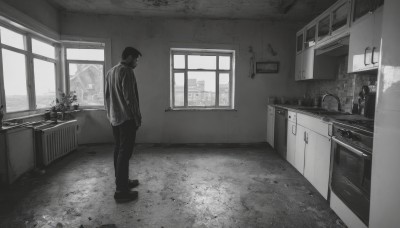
point(345, 86)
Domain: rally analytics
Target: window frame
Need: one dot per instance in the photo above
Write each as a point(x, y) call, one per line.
point(202, 52)
point(83, 45)
point(29, 65)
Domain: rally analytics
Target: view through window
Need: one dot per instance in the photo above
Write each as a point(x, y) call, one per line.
point(202, 78)
point(86, 74)
point(17, 73)
point(14, 54)
point(44, 70)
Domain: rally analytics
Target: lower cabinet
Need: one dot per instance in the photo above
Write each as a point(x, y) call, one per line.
point(291, 143)
point(317, 161)
point(271, 125)
point(309, 151)
point(300, 148)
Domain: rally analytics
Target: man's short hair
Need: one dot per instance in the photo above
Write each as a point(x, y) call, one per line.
point(130, 51)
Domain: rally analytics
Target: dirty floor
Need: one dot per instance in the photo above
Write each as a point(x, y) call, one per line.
point(180, 186)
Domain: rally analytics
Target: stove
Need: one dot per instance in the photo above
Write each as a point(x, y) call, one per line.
point(366, 125)
point(351, 163)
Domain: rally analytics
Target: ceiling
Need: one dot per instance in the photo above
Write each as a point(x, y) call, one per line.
point(275, 10)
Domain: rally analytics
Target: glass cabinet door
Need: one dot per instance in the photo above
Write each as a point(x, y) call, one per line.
point(362, 7)
point(310, 36)
point(339, 16)
point(323, 27)
point(299, 43)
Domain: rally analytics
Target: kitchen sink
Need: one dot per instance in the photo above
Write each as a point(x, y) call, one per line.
point(322, 112)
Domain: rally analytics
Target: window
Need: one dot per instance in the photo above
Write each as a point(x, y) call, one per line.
point(85, 69)
point(202, 79)
point(13, 55)
point(26, 86)
point(44, 71)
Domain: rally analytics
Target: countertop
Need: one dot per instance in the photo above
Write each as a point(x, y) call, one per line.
point(328, 118)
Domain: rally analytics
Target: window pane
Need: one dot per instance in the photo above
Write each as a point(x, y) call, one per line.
point(339, 17)
point(201, 88)
point(41, 48)
point(224, 62)
point(323, 27)
point(12, 39)
point(224, 89)
point(179, 61)
point(179, 89)
point(202, 62)
point(87, 81)
point(45, 82)
point(14, 72)
point(85, 54)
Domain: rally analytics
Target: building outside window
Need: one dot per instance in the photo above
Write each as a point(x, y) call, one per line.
point(202, 79)
point(85, 70)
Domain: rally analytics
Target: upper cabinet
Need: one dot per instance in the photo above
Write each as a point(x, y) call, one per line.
point(299, 54)
point(324, 28)
point(364, 7)
point(329, 26)
point(364, 49)
point(340, 15)
point(317, 43)
point(333, 23)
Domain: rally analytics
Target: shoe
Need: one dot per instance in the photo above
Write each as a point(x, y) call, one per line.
point(125, 196)
point(133, 183)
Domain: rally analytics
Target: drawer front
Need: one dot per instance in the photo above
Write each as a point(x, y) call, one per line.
point(315, 124)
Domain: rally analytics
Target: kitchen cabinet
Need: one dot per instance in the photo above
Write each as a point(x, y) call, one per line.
point(300, 149)
point(333, 23)
point(299, 55)
point(307, 67)
point(291, 138)
point(313, 147)
point(363, 7)
point(19, 152)
point(270, 125)
point(340, 17)
point(317, 160)
point(305, 59)
point(365, 36)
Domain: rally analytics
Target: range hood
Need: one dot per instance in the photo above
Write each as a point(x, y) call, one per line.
point(338, 47)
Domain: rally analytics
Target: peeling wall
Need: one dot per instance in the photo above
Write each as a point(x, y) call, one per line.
point(40, 10)
point(155, 37)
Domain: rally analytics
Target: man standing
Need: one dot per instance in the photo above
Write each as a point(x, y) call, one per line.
point(122, 106)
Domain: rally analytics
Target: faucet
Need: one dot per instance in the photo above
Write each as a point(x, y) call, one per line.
point(334, 96)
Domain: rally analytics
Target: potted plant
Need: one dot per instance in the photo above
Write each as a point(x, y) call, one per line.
point(66, 99)
point(63, 104)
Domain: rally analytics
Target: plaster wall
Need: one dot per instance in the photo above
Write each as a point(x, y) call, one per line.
point(155, 37)
point(39, 10)
point(385, 183)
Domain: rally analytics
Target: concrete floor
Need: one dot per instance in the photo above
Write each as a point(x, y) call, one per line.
point(181, 186)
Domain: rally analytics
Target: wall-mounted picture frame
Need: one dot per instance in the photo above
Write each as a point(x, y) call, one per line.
point(267, 67)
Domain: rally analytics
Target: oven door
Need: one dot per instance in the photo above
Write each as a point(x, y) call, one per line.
point(351, 177)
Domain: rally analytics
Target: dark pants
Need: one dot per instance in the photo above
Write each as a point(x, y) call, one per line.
point(124, 135)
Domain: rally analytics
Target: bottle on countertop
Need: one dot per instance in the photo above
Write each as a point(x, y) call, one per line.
point(361, 99)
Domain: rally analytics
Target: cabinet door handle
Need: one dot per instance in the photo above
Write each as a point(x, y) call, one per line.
point(304, 136)
point(293, 129)
point(365, 56)
point(372, 56)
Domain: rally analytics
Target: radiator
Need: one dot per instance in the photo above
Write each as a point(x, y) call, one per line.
point(55, 141)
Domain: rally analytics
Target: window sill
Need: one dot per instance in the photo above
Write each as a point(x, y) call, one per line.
point(200, 109)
